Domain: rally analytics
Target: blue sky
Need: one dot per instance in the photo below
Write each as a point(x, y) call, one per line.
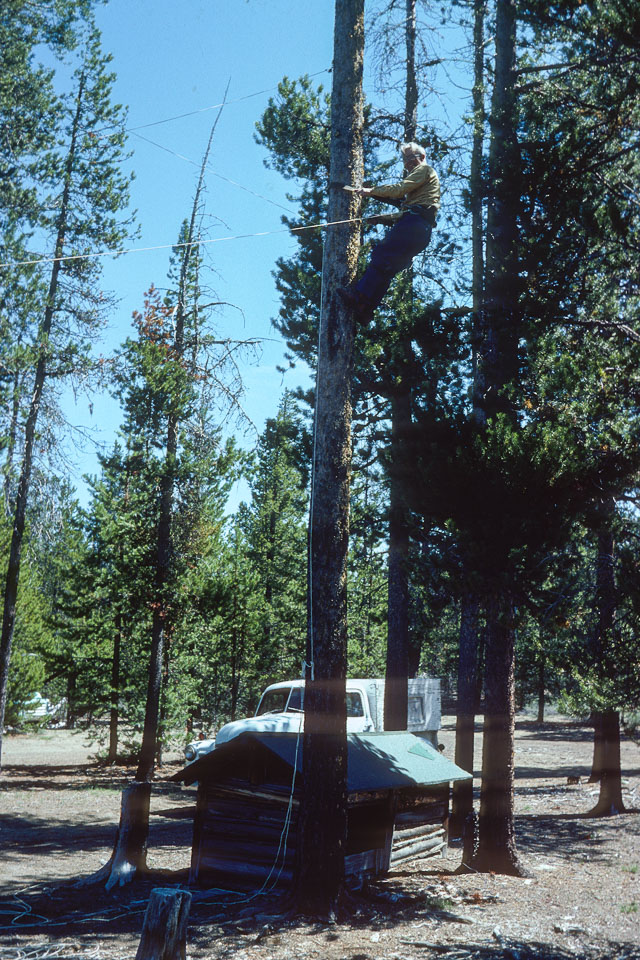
point(177, 58)
point(174, 58)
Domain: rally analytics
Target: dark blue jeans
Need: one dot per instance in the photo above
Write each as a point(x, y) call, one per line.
point(406, 238)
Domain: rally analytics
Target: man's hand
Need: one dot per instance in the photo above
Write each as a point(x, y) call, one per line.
point(386, 219)
point(363, 191)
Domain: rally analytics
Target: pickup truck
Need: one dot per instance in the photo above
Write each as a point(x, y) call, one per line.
point(281, 710)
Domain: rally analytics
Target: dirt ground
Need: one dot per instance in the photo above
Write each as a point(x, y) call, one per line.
point(59, 809)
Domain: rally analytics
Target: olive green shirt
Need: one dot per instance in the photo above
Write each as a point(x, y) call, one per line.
point(421, 187)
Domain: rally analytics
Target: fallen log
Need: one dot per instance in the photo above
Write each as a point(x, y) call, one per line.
point(418, 849)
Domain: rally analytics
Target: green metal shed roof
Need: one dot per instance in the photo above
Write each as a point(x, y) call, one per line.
point(376, 761)
point(379, 761)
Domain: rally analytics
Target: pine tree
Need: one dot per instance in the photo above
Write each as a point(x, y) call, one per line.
point(119, 527)
point(91, 192)
point(277, 543)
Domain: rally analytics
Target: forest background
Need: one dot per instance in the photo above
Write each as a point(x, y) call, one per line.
point(528, 492)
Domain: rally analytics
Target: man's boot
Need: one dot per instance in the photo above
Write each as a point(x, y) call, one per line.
point(359, 305)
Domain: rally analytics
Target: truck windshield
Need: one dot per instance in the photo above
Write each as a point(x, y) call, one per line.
point(273, 701)
point(291, 700)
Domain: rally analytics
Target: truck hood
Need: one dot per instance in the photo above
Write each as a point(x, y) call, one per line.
point(267, 723)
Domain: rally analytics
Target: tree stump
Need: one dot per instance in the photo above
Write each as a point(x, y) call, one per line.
point(164, 933)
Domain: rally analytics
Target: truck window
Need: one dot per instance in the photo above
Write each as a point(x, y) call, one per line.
point(354, 705)
point(273, 701)
point(415, 711)
point(295, 700)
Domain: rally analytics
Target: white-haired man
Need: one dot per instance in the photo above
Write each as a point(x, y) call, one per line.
point(419, 196)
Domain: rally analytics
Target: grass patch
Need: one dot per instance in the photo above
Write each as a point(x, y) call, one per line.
point(629, 908)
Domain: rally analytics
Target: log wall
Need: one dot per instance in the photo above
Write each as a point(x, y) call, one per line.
point(240, 840)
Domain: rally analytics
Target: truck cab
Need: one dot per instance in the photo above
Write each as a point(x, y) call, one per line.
point(281, 710)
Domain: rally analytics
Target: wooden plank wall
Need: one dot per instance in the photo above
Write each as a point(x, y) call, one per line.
point(240, 839)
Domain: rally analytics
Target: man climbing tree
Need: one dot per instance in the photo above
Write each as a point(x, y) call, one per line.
point(418, 196)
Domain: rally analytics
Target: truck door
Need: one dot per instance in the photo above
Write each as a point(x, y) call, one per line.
point(358, 719)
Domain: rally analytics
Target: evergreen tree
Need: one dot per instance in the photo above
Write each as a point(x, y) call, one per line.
point(120, 525)
point(277, 540)
point(90, 192)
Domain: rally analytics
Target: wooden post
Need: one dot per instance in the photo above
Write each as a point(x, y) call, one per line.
point(164, 933)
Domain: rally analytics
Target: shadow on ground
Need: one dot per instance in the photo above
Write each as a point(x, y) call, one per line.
point(570, 836)
point(562, 773)
point(85, 776)
point(577, 732)
point(223, 925)
point(60, 836)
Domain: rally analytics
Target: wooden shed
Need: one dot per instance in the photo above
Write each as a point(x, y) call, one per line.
point(246, 820)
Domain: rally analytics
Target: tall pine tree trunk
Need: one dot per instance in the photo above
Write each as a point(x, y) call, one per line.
point(462, 794)
point(462, 802)
point(323, 815)
point(610, 799)
point(149, 748)
point(541, 684)
point(12, 436)
point(606, 758)
point(605, 611)
point(114, 710)
point(496, 368)
point(397, 669)
point(497, 846)
point(476, 192)
point(22, 496)
point(598, 745)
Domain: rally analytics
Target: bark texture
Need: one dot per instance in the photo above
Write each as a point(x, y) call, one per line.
point(476, 190)
point(324, 800)
point(606, 754)
point(462, 794)
point(496, 844)
point(397, 668)
point(496, 368)
point(164, 934)
point(610, 800)
point(129, 854)
point(468, 672)
point(541, 697)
